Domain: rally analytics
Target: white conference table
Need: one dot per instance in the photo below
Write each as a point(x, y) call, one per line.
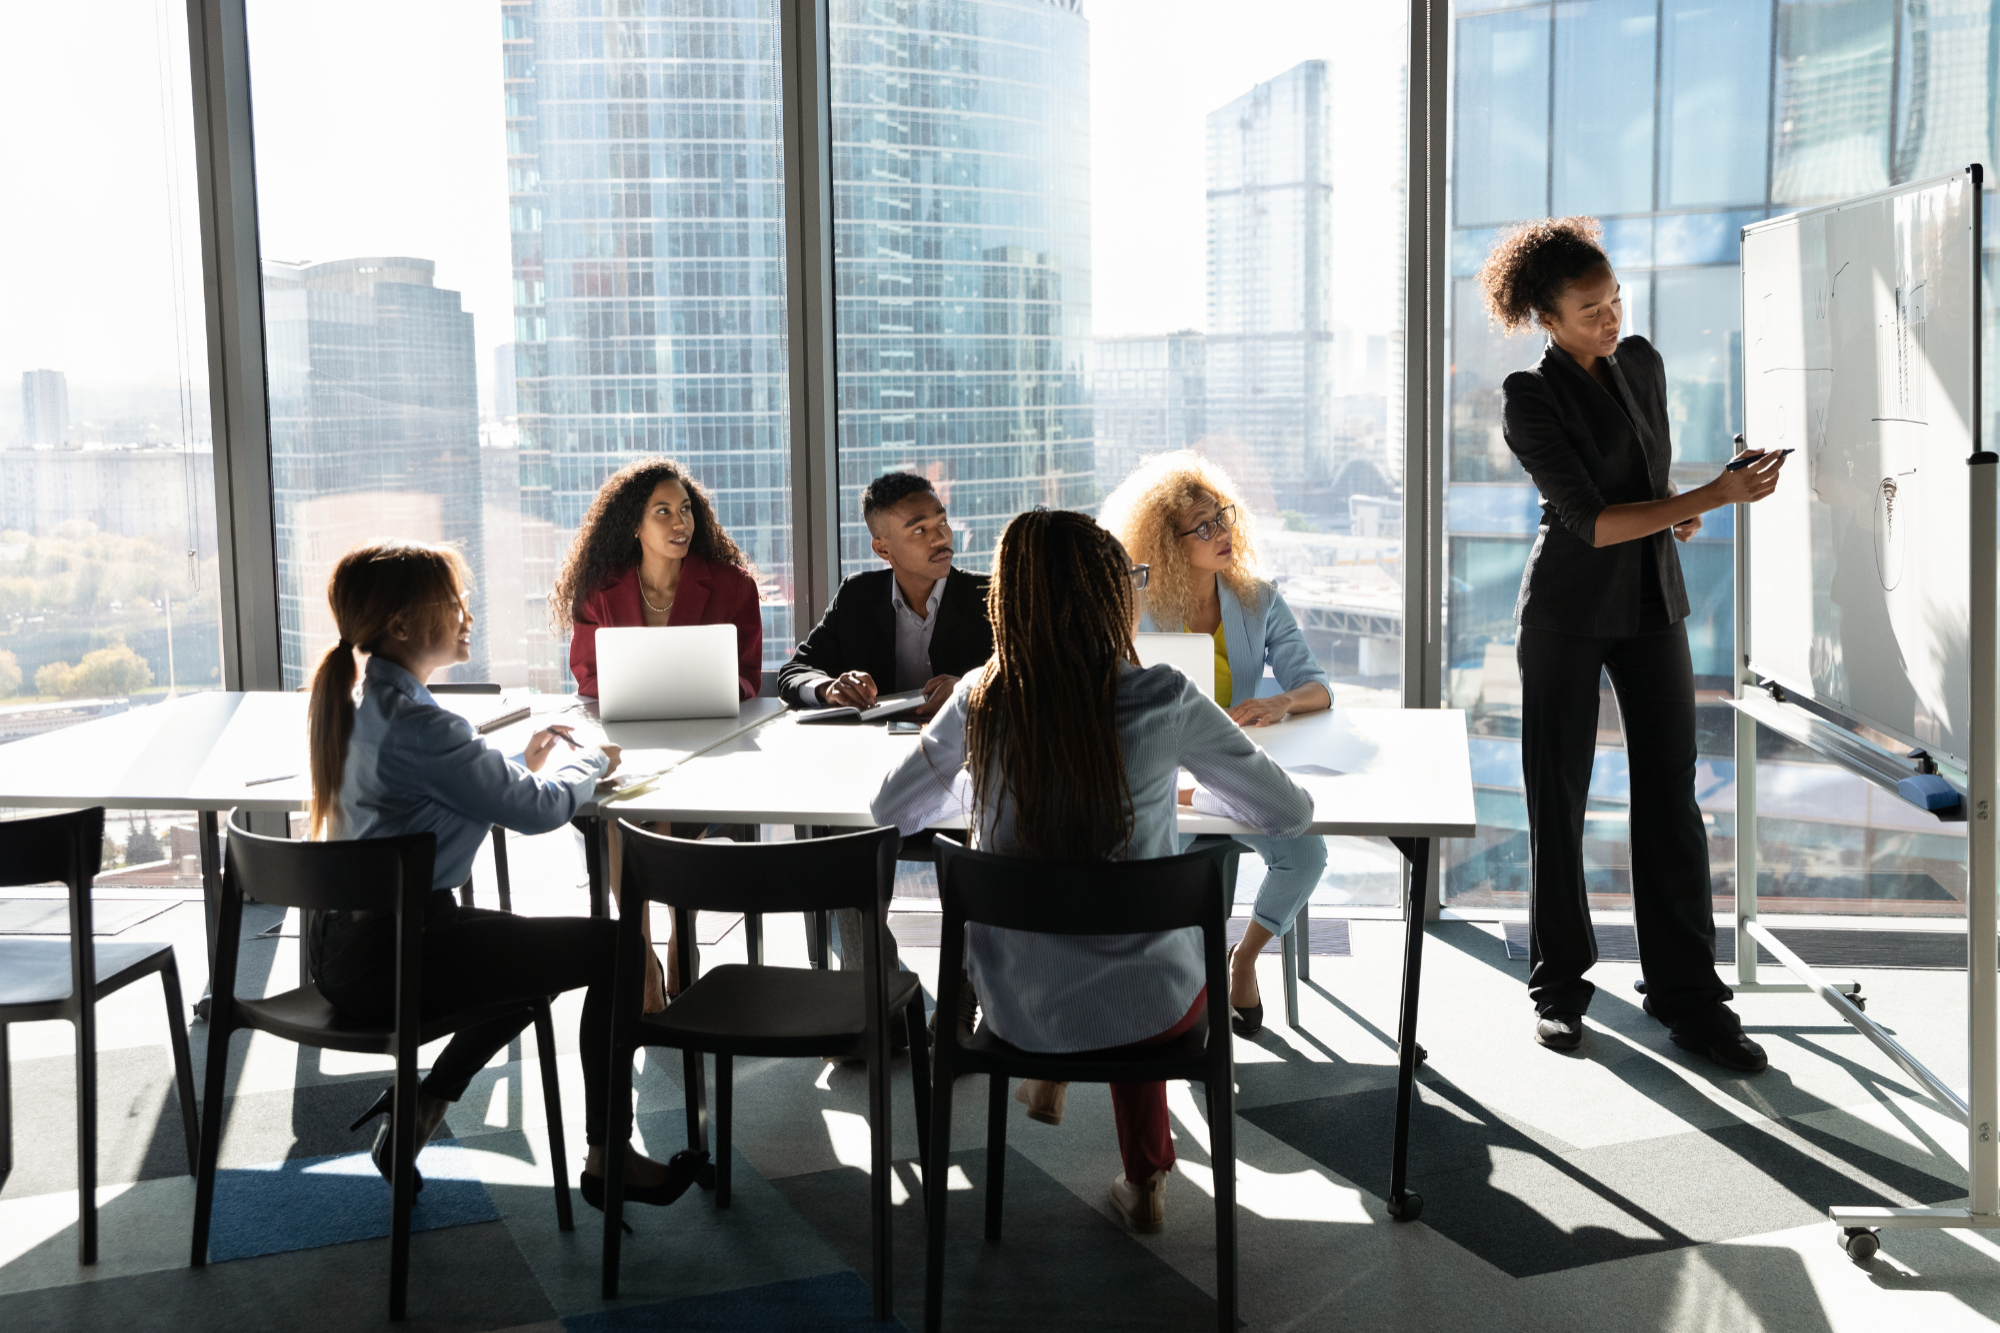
point(1401, 774)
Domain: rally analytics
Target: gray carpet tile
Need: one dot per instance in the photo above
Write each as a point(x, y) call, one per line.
point(139, 1134)
point(464, 1278)
point(1528, 1205)
point(1059, 1264)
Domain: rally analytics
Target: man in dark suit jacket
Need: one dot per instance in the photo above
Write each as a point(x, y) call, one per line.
point(919, 624)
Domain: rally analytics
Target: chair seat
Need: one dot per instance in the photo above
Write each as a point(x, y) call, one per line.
point(308, 1018)
point(775, 1011)
point(38, 971)
point(1169, 1060)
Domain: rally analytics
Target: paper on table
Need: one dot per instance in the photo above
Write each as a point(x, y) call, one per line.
point(1316, 771)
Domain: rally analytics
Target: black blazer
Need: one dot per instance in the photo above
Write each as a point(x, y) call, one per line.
point(1586, 449)
point(858, 633)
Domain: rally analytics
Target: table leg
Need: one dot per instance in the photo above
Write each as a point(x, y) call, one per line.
point(592, 829)
point(1404, 1205)
point(208, 846)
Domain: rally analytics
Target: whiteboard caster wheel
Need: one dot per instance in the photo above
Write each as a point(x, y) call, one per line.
point(1860, 1001)
point(1861, 1243)
point(1407, 1209)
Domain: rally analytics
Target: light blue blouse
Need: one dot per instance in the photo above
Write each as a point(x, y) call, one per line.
point(1084, 993)
point(1266, 632)
point(413, 767)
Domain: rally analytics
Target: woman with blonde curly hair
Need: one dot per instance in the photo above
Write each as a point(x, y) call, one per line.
point(1602, 596)
point(1180, 513)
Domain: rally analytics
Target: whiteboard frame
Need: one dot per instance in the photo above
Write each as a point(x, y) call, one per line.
point(1858, 1228)
point(1973, 177)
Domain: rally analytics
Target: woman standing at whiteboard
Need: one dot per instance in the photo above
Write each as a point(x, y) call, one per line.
point(1602, 593)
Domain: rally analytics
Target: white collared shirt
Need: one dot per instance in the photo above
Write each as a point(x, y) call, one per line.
point(913, 637)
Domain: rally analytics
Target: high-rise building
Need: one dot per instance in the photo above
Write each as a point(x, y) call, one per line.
point(45, 409)
point(962, 257)
point(505, 401)
point(648, 260)
point(1147, 395)
point(374, 400)
point(648, 247)
point(1270, 322)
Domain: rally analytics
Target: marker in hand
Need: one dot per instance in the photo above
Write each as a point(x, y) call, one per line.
point(1738, 464)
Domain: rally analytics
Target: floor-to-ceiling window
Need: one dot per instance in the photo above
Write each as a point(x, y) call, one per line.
point(1070, 236)
point(510, 246)
point(108, 579)
point(1676, 122)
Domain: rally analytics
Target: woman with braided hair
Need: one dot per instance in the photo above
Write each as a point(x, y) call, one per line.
point(1073, 751)
point(1602, 595)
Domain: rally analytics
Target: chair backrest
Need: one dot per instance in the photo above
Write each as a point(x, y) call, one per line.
point(1083, 898)
point(851, 870)
point(463, 687)
point(67, 848)
point(363, 874)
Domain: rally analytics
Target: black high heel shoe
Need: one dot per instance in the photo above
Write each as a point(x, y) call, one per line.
point(684, 1168)
point(381, 1153)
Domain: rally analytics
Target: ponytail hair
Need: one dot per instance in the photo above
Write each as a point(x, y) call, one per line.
point(373, 588)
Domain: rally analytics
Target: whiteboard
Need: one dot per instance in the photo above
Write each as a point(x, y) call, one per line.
point(1861, 350)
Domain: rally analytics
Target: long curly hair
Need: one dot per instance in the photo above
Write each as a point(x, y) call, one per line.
point(1531, 265)
point(1145, 513)
point(1043, 716)
point(607, 542)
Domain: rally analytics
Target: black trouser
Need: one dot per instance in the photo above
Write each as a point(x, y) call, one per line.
point(475, 957)
point(1654, 683)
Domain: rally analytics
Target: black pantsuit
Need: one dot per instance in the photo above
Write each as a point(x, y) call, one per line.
point(1590, 442)
point(1654, 682)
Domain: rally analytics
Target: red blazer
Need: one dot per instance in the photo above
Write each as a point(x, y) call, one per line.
point(708, 594)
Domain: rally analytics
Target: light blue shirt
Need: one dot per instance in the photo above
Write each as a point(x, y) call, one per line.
point(1088, 992)
point(413, 767)
point(1266, 633)
point(913, 636)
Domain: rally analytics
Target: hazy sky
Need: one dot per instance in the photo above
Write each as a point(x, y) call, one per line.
point(380, 131)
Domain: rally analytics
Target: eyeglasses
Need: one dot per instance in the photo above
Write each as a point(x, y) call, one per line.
point(1141, 575)
point(1210, 529)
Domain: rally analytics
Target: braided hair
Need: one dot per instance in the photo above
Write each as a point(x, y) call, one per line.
point(1533, 264)
point(1042, 718)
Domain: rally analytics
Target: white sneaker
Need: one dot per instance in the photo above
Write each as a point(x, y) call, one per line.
point(1143, 1206)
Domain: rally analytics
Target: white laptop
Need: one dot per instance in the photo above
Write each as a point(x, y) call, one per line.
point(647, 674)
point(1194, 654)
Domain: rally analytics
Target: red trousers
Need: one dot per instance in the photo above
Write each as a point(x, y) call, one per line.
point(1144, 1139)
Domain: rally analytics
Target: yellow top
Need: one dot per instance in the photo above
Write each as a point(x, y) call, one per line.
point(1224, 688)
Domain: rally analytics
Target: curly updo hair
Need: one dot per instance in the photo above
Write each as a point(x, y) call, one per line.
point(1532, 264)
point(607, 541)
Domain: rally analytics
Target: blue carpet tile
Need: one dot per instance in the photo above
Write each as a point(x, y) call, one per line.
point(308, 1202)
point(830, 1302)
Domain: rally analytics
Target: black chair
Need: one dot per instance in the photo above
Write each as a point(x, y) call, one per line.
point(1058, 898)
point(48, 979)
point(500, 876)
point(390, 875)
point(748, 1010)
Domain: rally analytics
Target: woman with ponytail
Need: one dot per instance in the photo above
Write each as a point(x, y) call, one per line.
point(1074, 750)
point(391, 762)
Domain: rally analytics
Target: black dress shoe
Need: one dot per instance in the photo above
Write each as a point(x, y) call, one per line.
point(380, 1153)
point(1731, 1050)
point(684, 1168)
point(1246, 1020)
point(1559, 1031)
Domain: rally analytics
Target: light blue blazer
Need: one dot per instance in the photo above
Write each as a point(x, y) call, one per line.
point(1255, 635)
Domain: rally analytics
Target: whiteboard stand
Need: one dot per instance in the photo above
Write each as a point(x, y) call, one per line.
point(1761, 702)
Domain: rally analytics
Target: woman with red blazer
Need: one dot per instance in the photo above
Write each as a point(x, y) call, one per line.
point(649, 552)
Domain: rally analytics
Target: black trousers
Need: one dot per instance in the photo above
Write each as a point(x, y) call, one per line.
point(477, 957)
point(1653, 680)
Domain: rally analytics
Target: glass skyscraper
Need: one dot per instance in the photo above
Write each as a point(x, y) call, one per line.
point(374, 402)
point(1676, 122)
point(961, 173)
point(647, 215)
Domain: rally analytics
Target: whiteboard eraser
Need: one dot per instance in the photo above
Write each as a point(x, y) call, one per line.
point(1928, 791)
